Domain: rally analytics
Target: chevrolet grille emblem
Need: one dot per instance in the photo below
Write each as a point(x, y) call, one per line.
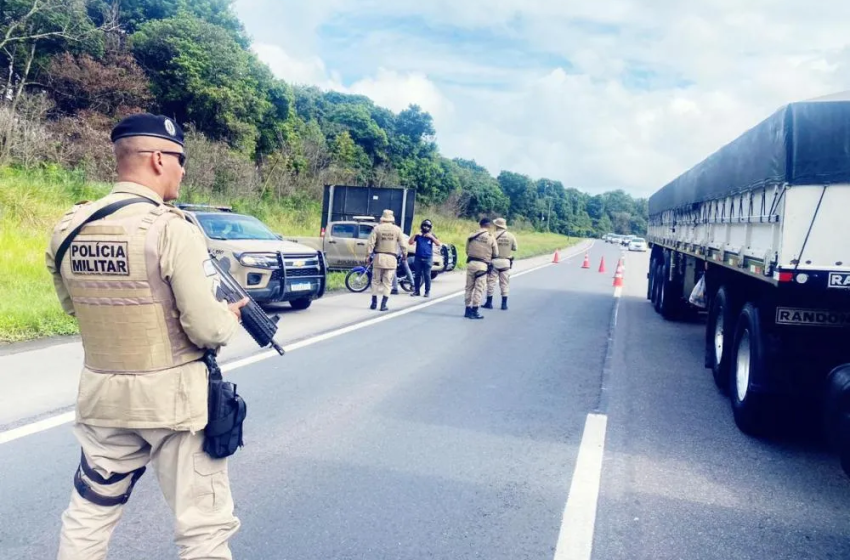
point(298, 263)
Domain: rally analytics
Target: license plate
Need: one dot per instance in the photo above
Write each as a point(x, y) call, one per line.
point(303, 286)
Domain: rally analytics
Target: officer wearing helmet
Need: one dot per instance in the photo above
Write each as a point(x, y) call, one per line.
point(384, 247)
point(502, 265)
point(423, 258)
point(137, 277)
point(481, 249)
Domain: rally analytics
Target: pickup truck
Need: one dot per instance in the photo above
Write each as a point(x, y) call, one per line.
point(344, 246)
point(271, 269)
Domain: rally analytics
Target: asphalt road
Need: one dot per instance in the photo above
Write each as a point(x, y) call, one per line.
point(431, 436)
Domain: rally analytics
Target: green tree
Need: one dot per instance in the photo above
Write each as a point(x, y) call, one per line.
point(201, 75)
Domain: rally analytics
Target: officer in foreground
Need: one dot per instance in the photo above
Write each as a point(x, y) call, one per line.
point(481, 249)
point(423, 259)
point(139, 282)
point(385, 245)
point(502, 265)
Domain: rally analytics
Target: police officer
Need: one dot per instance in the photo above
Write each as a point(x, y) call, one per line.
point(502, 265)
point(481, 249)
point(423, 258)
point(385, 245)
point(138, 280)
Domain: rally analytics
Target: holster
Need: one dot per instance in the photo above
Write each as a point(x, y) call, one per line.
point(226, 413)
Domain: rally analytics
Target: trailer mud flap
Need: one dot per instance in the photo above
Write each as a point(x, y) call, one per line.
point(797, 317)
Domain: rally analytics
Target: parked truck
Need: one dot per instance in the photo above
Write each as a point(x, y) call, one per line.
point(348, 215)
point(764, 223)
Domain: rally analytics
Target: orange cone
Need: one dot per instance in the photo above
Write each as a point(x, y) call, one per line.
point(618, 275)
point(586, 263)
point(602, 265)
point(556, 258)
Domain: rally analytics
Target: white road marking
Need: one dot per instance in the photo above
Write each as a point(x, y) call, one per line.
point(575, 540)
point(618, 291)
point(35, 427)
point(64, 418)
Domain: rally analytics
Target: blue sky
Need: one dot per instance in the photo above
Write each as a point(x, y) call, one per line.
point(599, 95)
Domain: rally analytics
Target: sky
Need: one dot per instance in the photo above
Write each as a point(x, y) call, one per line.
point(599, 95)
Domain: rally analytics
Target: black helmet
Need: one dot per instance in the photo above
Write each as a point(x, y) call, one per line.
point(426, 224)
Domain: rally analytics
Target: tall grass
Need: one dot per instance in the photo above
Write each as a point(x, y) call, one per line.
point(32, 202)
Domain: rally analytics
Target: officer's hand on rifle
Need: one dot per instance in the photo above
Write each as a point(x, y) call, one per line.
point(236, 308)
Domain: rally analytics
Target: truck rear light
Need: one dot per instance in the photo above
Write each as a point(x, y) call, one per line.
point(322, 233)
point(786, 276)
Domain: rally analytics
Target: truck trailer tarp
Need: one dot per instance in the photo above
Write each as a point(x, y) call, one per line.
point(802, 143)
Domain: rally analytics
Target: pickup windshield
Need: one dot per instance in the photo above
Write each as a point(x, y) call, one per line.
point(234, 226)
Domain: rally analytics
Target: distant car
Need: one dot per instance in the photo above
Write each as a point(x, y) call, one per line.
point(626, 239)
point(638, 244)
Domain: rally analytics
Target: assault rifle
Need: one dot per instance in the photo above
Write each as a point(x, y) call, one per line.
point(254, 320)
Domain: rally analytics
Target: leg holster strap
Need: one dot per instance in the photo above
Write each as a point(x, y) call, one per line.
point(89, 494)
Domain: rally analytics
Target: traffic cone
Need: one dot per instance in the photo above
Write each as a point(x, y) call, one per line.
point(618, 276)
point(586, 263)
point(602, 265)
point(556, 258)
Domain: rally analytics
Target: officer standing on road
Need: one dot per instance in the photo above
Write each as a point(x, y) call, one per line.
point(140, 284)
point(481, 249)
point(502, 265)
point(424, 257)
point(386, 244)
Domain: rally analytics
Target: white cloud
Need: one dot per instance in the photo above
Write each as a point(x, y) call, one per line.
point(557, 97)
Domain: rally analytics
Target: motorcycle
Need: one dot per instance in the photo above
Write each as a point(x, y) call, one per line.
point(359, 278)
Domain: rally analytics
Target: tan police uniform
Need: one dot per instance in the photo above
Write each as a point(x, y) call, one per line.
point(144, 296)
point(480, 250)
point(506, 241)
point(387, 243)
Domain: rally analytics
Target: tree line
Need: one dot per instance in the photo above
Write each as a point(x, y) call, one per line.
point(73, 67)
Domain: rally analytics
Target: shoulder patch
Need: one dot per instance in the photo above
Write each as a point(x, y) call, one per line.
point(209, 269)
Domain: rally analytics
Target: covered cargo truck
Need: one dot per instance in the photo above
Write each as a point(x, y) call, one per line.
point(765, 223)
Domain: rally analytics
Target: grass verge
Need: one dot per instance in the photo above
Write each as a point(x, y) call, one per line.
point(32, 201)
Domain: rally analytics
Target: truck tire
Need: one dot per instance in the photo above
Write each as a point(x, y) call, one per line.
point(301, 304)
point(658, 272)
point(719, 334)
point(669, 301)
point(837, 413)
point(749, 361)
point(649, 279)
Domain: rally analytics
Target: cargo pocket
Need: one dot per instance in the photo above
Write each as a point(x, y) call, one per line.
point(210, 488)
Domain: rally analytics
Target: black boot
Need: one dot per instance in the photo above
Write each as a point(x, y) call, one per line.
point(384, 304)
point(374, 303)
point(427, 294)
point(415, 293)
point(468, 311)
point(489, 303)
point(504, 303)
point(474, 314)
point(394, 291)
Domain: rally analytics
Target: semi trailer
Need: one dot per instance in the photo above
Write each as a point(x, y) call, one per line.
point(762, 229)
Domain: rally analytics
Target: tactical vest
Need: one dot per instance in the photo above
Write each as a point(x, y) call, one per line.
point(505, 242)
point(478, 247)
point(387, 239)
point(128, 319)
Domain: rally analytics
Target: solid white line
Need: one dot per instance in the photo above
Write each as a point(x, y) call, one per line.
point(575, 541)
point(35, 427)
point(618, 291)
point(54, 421)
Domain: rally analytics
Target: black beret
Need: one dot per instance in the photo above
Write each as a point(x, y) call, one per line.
point(145, 124)
point(485, 222)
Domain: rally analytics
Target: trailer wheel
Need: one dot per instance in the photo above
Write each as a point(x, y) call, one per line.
point(837, 413)
point(719, 331)
point(748, 363)
point(657, 276)
point(650, 278)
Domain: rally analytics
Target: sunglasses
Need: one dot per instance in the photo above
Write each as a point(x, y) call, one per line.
point(181, 156)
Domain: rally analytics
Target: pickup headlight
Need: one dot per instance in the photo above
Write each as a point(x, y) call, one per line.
point(260, 260)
